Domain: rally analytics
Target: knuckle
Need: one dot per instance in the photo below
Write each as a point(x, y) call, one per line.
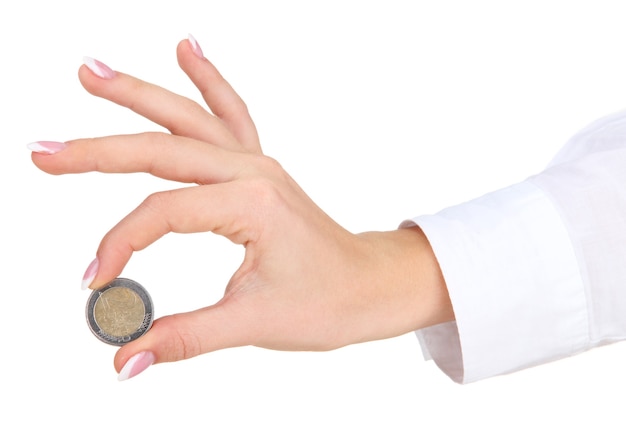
point(265, 192)
point(156, 202)
point(192, 110)
point(263, 177)
point(181, 342)
point(155, 138)
point(269, 165)
point(159, 208)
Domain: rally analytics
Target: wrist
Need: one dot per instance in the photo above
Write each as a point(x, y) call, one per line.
point(406, 280)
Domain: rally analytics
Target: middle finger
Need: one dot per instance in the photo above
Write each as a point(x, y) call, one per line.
point(163, 155)
point(180, 115)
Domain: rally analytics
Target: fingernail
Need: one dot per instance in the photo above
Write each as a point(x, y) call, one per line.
point(46, 147)
point(195, 47)
point(90, 274)
point(135, 365)
point(98, 68)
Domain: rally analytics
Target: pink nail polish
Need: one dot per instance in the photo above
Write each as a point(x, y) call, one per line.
point(135, 365)
point(98, 68)
point(90, 274)
point(195, 47)
point(44, 147)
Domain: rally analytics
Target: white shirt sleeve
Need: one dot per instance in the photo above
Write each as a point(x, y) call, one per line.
point(536, 271)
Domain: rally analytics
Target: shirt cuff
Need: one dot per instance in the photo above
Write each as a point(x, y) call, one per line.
point(514, 284)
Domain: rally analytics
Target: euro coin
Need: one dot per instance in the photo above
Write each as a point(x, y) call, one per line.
point(119, 312)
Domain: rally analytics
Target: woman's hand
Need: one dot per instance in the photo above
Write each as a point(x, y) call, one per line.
point(305, 282)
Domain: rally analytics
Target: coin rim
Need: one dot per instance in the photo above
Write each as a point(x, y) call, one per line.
point(143, 295)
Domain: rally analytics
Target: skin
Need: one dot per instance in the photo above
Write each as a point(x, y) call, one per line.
point(336, 288)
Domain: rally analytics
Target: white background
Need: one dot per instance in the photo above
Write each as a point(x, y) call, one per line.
point(381, 111)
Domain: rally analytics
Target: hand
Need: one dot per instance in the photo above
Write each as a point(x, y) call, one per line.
point(305, 282)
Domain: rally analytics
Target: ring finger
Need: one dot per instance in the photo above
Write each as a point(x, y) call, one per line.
point(180, 115)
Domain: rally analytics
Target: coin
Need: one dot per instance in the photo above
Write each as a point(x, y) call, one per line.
point(119, 312)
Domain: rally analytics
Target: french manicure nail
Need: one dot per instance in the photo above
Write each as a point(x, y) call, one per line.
point(44, 147)
point(195, 47)
point(90, 274)
point(98, 68)
point(135, 365)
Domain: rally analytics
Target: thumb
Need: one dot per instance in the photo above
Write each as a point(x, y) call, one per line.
point(182, 336)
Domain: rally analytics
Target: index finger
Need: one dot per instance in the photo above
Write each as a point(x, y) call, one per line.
point(223, 209)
